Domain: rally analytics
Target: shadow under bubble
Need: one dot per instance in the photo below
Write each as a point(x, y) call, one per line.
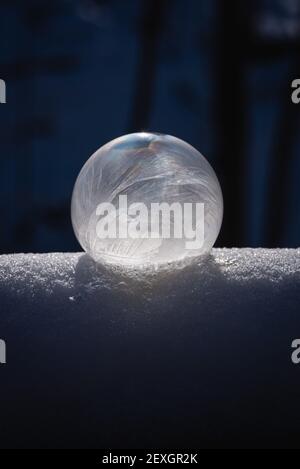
point(177, 290)
point(194, 274)
point(208, 292)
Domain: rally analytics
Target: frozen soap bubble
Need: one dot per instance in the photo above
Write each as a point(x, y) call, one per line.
point(146, 198)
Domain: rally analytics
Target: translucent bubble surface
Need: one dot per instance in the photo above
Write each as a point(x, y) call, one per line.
point(146, 198)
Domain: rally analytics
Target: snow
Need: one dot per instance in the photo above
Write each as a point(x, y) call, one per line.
point(188, 355)
point(73, 281)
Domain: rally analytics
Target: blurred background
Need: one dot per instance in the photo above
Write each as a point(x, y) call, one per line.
point(215, 73)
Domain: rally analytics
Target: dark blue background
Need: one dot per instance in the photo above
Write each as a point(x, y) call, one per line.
point(214, 73)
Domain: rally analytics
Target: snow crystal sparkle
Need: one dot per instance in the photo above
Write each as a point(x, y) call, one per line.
point(148, 171)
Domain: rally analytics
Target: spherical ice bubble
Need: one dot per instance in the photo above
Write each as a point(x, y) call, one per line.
point(146, 198)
